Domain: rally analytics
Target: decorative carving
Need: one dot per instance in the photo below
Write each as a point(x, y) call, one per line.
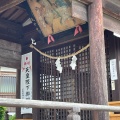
point(53, 16)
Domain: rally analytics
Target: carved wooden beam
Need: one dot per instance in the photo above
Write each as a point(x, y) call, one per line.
point(7, 4)
point(53, 16)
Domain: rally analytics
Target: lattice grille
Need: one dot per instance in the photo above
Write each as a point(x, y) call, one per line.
point(70, 86)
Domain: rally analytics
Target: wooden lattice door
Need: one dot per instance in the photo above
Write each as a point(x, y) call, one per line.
point(69, 86)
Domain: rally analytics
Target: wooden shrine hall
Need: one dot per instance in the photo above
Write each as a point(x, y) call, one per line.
point(63, 50)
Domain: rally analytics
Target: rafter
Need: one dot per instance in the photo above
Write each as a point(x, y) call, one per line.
point(7, 4)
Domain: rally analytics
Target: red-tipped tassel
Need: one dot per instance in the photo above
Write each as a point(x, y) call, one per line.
point(77, 30)
point(50, 39)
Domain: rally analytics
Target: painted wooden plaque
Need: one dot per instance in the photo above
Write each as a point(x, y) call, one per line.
point(53, 16)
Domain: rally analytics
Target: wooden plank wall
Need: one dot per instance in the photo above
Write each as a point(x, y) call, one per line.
point(10, 54)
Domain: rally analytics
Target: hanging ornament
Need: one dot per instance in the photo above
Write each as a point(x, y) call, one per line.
point(77, 30)
point(73, 62)
point(33, 41)
point(58, 65)
point(50, 39)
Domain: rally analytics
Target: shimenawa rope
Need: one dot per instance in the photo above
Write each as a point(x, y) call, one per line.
point(61, 57)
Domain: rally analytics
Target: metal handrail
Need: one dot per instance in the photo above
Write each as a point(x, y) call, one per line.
point(55, 105)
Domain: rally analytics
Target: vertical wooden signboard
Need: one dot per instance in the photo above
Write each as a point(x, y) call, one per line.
point(26, 80)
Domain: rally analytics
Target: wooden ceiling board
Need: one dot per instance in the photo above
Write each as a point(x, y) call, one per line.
point(8, 13)
point(53, 16)
point(15, 14)
point(22, 18)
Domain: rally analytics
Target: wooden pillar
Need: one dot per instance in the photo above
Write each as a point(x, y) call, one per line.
point(18, 109)
point(99, 92)
point(36, 82)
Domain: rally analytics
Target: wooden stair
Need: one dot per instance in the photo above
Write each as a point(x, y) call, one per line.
point(114, 115)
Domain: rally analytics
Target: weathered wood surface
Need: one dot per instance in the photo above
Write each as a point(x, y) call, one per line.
point(53, 16)
point(98, 81)
point(114, 116)
point(10, 54)
point(10, 31)
point(36, 83)
point(79, 10)
point(112, 8)
point(6, 62)
point(109, 22)
point(10, 50)
point(7, 4)
point(10, 45)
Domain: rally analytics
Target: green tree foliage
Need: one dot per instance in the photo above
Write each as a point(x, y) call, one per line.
point(2, 112)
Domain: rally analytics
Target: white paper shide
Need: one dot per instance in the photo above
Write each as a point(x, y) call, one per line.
point(113, 69)
point(73, 62)
point(58, 65)
point(26, 80)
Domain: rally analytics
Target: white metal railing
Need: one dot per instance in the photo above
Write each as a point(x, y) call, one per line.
point(55, 105)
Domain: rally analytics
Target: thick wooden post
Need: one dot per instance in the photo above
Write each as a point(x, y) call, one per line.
point(36, 83)
point(18, 109)
point(73, 114)
point(99, 92)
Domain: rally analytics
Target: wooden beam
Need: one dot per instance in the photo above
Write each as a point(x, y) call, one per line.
point(79, 10)
point(63, 40)
point(109, 8)
point(36, 83)
point(98, 86)
point(10, 54)
point(7, 4)
point(10, 31)
point(112, 8)
point(18, 109)
point(111, 22)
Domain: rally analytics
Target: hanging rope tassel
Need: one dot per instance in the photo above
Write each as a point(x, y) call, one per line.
point(50, 39)
point(77, 30)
